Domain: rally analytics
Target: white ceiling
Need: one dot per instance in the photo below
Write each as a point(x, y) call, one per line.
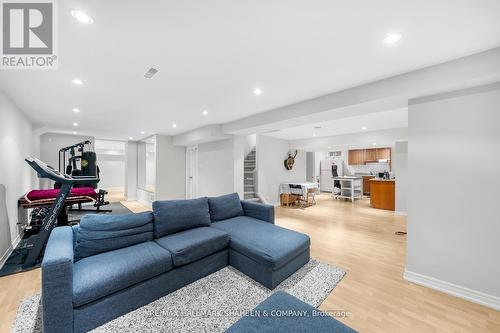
point(212, 54)
point(371, 122)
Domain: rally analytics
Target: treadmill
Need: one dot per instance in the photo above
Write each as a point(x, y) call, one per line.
point(35, 247)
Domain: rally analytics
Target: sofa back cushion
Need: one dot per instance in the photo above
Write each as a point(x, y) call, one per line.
point(171, 216)
point(225, 207)
point(99, 233)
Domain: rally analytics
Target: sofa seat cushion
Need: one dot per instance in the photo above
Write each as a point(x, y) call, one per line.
point(193, 244)
point(270, 245)
point(106, 273)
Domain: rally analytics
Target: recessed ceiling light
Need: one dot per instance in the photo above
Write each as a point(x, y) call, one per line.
point(314, 134)
point(205, 112)
point(74, 132)
point(82, 16)
point(363, 128)
point(130, 138)
point(75, 110)
point(257, 91)
point(142, 132)
point(77, 82)
point(392, 38)
point(75, 124)
point(174, 125)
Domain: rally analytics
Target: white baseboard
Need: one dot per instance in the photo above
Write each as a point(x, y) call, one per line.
point(11, 248)
point(453, 289)
point(400, 213)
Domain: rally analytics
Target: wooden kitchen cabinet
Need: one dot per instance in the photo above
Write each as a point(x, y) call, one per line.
point(356, 156)
point(366, 184)
point(371, 155)
point(383, 153)
point(363, 156)
point(382, 194)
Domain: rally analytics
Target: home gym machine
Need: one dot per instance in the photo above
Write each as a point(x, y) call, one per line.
point(80, 160)
point(31, 251)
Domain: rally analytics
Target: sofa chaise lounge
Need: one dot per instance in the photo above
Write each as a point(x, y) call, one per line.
point(110, 265)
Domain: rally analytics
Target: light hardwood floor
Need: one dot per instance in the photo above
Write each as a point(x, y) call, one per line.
point(362, 241)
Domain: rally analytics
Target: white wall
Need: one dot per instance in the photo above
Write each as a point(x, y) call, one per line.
point(17, 142)
point(215, 168)
point(250, 143)
point(453, 216)
point(271, 153)
point(131, 170)
point(241, 147)
point(170, 169)
point(400, 171)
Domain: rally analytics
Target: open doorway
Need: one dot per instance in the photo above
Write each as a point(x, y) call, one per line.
point(111, 157)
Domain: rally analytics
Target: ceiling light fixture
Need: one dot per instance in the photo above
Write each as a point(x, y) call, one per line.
point(205, 112)
point(142, 132)
point(76, 110)
point(75, 124)
point(392, 38)
point(82, 17)
point(257, 91)
point(77, 82)
point(174, 125)
point(74, 132)
point(130, 138)
point(314, 134)
point(364, 128)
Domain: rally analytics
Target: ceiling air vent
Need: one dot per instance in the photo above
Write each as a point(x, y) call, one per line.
point(149, 74)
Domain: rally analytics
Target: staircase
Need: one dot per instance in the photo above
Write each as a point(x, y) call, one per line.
point(249, 177)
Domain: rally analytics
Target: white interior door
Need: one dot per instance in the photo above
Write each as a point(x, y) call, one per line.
point(191, 172)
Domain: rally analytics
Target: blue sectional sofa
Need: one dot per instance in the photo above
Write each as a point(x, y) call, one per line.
point(110, 265)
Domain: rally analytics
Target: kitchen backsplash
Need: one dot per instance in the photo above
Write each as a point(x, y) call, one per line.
point(370, 167)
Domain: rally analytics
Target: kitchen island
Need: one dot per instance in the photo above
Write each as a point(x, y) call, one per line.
point(351, 187)
point(382, 193)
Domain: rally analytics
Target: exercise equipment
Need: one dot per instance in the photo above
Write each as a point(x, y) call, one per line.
point(58, 205)
point(37, 199)
point(80, 160)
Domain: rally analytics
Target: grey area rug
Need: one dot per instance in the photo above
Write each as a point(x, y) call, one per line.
point(211, 304)
point(116, 207)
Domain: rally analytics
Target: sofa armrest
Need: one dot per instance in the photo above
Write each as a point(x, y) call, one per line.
point(57, 281)
point(259, 211)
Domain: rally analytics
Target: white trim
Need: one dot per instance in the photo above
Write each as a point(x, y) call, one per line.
point(11, 248)
point(453, 289)
point(400, 213)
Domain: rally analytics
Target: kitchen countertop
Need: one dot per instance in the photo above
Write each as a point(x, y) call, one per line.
point(346, 177)
point(382, 180)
